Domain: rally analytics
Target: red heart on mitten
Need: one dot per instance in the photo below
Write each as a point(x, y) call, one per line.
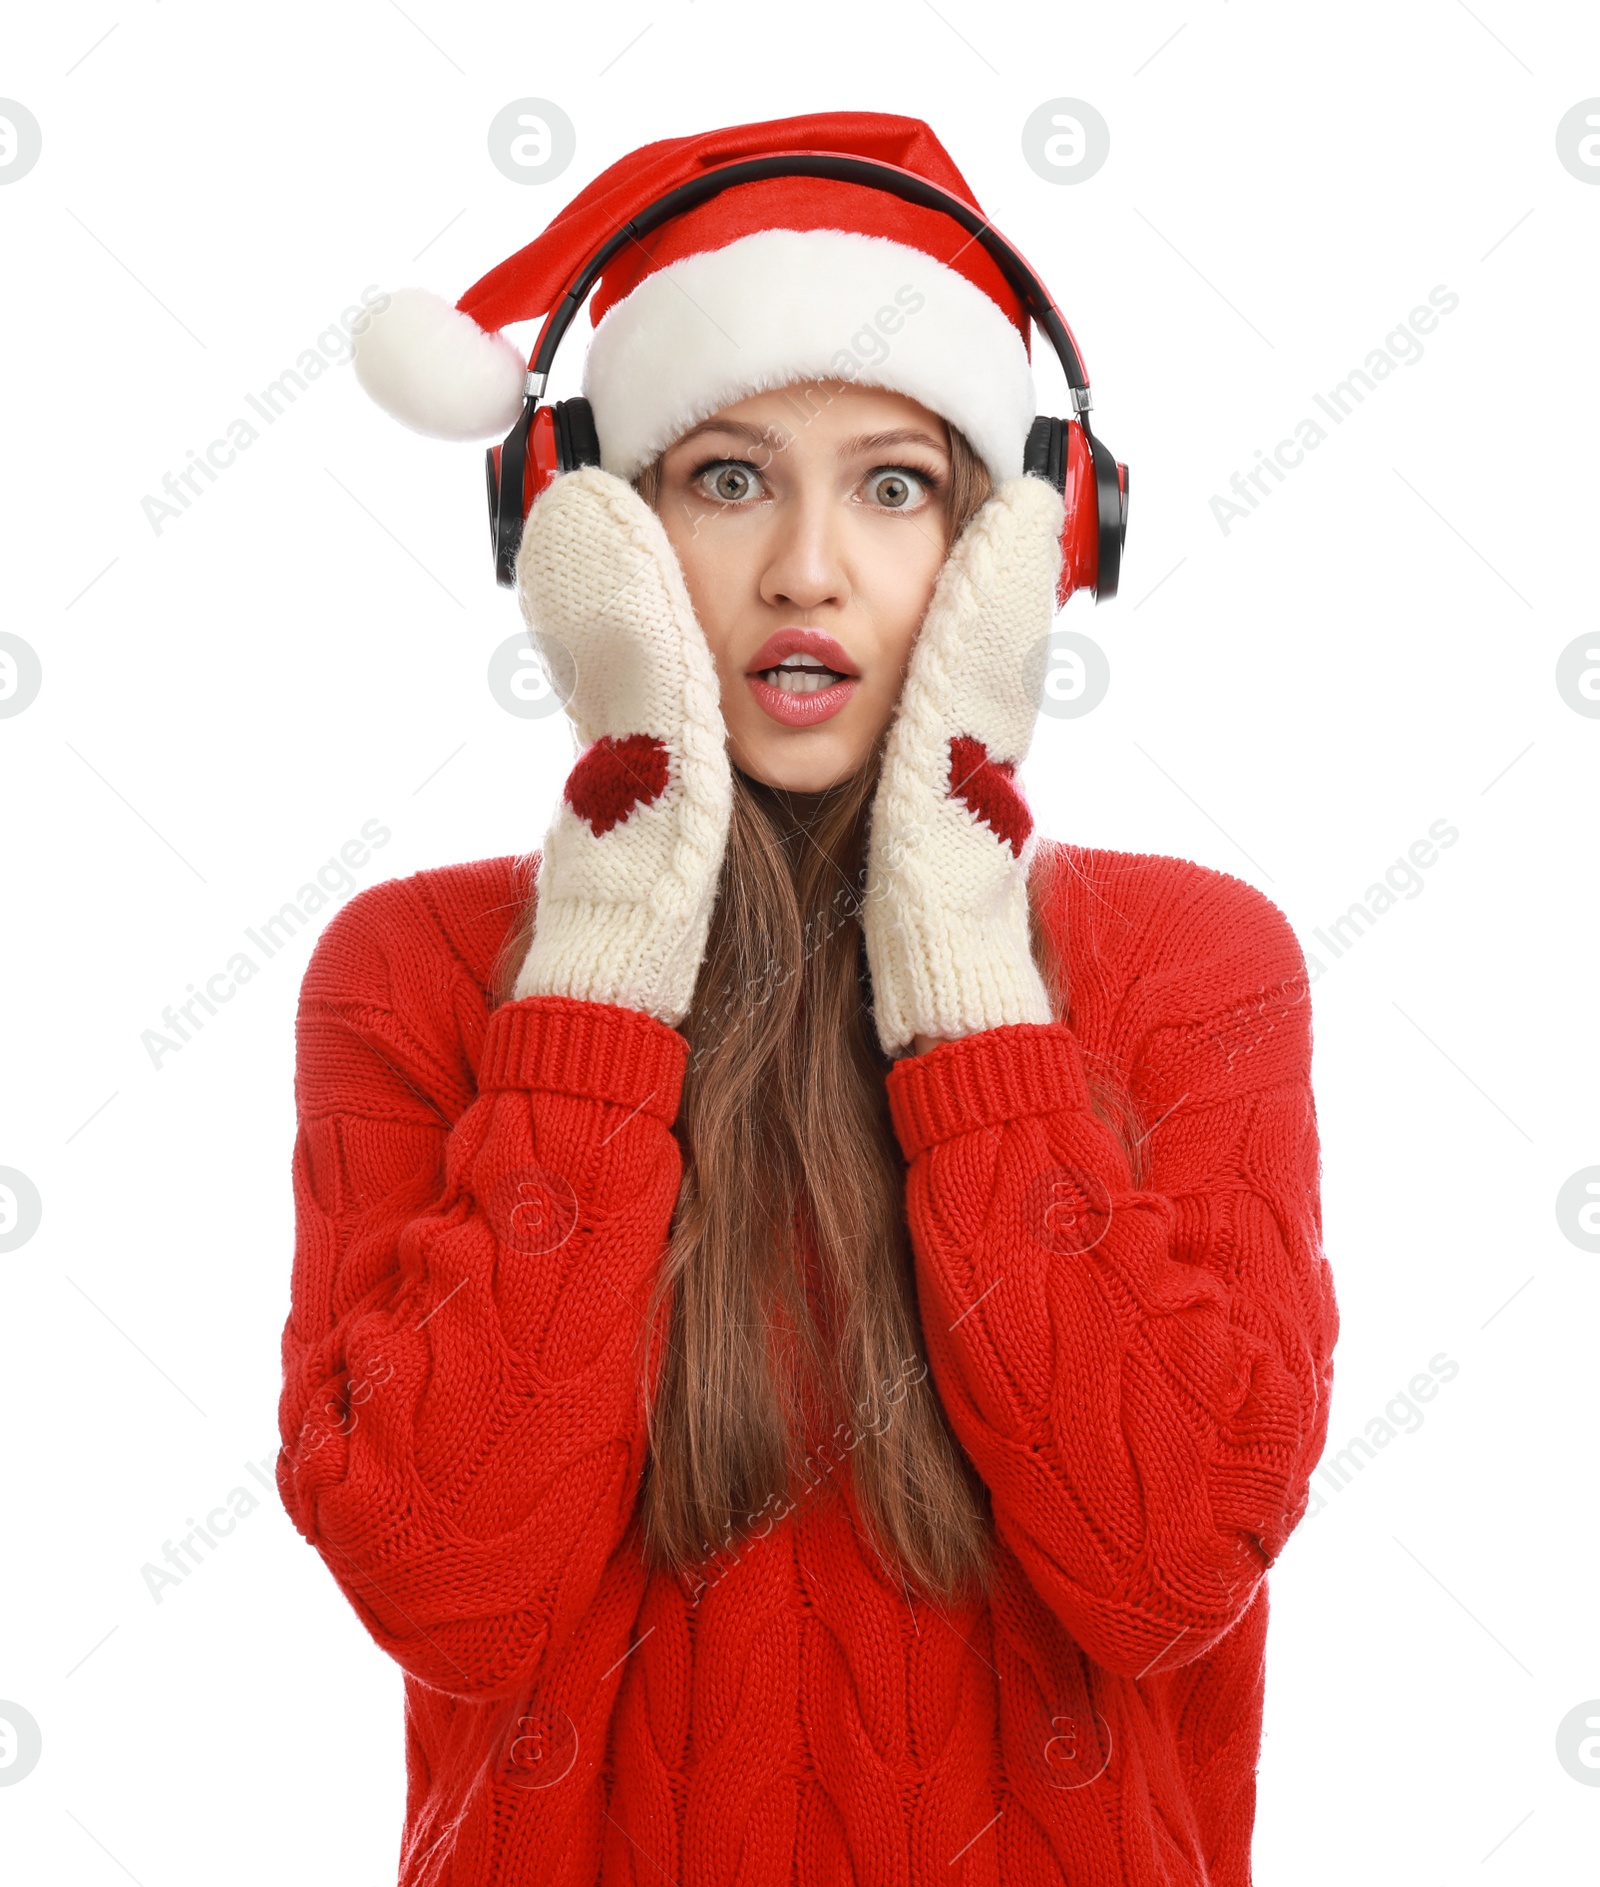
point(613, 775)
point(987, 788)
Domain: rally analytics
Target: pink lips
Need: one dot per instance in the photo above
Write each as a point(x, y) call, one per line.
point(795, 709)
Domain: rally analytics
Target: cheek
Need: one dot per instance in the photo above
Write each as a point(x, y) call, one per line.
point(715, 576)
point(905, 566)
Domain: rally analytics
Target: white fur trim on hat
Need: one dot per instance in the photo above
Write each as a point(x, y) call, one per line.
point(436, 370)
point(814, 304)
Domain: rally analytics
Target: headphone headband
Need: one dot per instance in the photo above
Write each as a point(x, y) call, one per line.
point(841, 168)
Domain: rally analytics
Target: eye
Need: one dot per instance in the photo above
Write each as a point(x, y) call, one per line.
point(898, 488)
point(730, 480)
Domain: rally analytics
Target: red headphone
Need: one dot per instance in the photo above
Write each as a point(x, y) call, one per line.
point(549, 439)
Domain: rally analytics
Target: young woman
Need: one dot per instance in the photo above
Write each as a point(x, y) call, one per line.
point(809, 1318)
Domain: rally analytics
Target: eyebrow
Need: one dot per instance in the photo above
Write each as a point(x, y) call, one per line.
point(777, 440)
point(880, 441)
point(756, 435)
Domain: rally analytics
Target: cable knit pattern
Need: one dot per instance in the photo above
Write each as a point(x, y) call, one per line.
point(1138, 1368)
point(634, 850)
point(952, 841)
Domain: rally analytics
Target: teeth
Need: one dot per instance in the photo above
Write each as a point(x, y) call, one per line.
point(796, 682)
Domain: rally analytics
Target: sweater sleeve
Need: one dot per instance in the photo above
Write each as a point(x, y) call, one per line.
point(1139, 1372)
point(464, 1357)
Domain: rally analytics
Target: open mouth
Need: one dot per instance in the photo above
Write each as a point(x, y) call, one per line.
point(801, 675)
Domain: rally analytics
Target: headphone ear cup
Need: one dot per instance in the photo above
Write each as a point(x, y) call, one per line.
point(1047, 455)
point(1111, 516)
point(1095, 488)
point(544, 456)
point(546, 441)
point(577, 441)
point(1044, 454)
point(506, 466)
point(1080, 528)
point(491, 469)
point(518, 469)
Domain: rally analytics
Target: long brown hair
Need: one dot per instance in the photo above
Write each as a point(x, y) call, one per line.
point(788, 1146)
point(787, 1379)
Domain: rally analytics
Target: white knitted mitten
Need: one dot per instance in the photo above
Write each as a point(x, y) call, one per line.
point(951, 840)
point(629, 870)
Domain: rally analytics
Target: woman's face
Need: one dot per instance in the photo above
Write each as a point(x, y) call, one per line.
point(811, 526)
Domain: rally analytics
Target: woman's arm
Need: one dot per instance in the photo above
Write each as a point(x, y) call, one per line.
point(464, 1365)
point(1139, 1372)
point(464, 1358)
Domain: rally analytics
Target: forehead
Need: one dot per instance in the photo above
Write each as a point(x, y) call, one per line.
point(820, 416)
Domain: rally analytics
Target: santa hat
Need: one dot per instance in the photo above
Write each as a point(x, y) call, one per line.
point(784, 279)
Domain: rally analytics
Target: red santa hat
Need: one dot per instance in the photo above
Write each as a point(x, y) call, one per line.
point(784, 279)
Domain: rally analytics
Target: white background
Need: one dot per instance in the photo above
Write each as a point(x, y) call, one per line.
point(226, 702)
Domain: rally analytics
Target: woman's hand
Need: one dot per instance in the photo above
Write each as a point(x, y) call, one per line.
point(946, 906)
point(631, 861)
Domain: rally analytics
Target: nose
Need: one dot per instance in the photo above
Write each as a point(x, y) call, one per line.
point(806, 568)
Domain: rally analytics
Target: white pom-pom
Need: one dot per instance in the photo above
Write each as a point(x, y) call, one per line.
point(437, 371)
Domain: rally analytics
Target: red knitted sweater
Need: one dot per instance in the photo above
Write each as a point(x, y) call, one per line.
point(1138, 1369)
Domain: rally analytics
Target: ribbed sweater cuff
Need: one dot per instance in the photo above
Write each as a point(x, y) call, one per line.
point(597, 1051)
point(984, 1080)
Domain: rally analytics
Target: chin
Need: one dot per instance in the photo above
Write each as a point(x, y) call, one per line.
point(797, 763)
